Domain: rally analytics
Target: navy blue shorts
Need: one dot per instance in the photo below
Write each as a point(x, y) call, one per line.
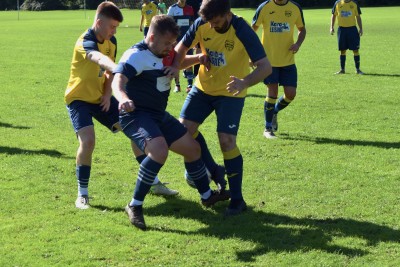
point(198, 106)
point(284, 76)
point(141, 126)
point(348, 38)
point(145, 31)
point(82, 113)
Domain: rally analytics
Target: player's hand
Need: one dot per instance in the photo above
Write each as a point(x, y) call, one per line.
point(126, 105)
point(332, 31)
point(171, 72)
point(235, 86)
point(204, 60)
point(294, 48)
point(105, 103)
point(140, 28)
point(360, 32)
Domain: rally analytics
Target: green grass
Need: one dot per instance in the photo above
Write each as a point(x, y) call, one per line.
point(326, 193)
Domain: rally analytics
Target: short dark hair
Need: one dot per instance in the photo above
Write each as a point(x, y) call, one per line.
point(109, 10)
point(210, 9)
point(161, 24)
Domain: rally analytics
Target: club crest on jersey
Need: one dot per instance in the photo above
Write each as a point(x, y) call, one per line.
point(288, 13)
point(279, 27)
point(216, 58)
point(229, 45)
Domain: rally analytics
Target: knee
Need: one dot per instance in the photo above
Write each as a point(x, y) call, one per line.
point(88, 144)
point(159, 155)
point(290, 95)
point(193, 152)
point(227, 142)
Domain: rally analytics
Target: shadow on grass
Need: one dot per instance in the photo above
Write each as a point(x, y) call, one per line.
point(272, 232)
point(9, 125)
point(382, 75)
point(346, 142)
point(256, 95)
point(17, 151)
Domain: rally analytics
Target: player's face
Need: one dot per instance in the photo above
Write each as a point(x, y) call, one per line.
point(162, 44)
point(220, 23)
point(108, 28)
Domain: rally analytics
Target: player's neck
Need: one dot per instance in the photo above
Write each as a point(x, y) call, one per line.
point(97, 34)
point(281, 2)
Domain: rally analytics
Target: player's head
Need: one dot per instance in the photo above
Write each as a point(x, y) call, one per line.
point(162, 35)
point(108, 17)
point(217, 13)
point(182, 2)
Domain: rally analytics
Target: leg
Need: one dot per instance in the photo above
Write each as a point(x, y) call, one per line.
point(229, 111)
point(217, 172)
point(356, 54)
point(196, 170)
point(177, 85)
point(157, 152)
point(196, 108)
point(233, 162)
point(157, 188)
point(269, 106)
point(86, 137)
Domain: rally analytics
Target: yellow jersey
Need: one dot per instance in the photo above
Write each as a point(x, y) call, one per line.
point(229, 54)
point(86, 81)
point(148, 12)
point(278, 23)
point(346, 13)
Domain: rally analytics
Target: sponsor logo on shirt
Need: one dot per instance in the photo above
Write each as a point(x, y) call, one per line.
point(345, 14)
point(216, 58)
point(279, 26)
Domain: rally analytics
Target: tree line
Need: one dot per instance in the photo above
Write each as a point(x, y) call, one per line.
point(92, 4)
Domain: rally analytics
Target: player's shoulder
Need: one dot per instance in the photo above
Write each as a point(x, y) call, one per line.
point(113, 40)
point(265, 4)
point(240, 23)
point(89, 35)
point(295, 4)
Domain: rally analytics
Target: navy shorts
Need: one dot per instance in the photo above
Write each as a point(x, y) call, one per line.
point(82, 113)
point(142, 126)
point(348, 38)
point(198, 106)
point(145, 31)
point(284, 76)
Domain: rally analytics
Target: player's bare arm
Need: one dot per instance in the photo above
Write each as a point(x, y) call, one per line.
point(360, 27)
point(300, 39)
point(102, 60)
point(107, 92)
point(333, 18)
point(262, 70)
point(118, 86)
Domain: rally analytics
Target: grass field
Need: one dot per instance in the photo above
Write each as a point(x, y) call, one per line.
point(326, 193)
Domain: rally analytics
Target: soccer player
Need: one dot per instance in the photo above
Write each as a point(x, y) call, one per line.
point(88, 93)
point(183, 15)
point(221, 85)
point(142, 84)
point(162, 7)
point(149, 10)
point(347, 12)
point(278, 19)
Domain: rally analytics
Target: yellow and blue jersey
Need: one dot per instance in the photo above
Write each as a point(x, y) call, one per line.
point(148, 12)
point(86, 81)
point(278, 23)
point(229, 54)
point(346, 13)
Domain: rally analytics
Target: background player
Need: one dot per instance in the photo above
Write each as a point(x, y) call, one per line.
point(347, 12)
point(278, 18)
